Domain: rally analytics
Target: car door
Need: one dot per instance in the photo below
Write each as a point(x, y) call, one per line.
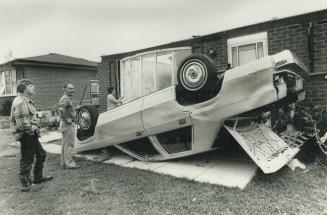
point(124, 123)
point(161, 112)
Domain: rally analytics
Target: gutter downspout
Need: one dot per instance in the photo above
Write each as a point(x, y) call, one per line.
point(310, 49)
point(117, 78)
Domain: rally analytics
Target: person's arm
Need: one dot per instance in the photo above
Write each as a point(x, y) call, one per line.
point(63, 111)
point(108, 102)
point(22, 119)
point(112, 99)
point(120, 99)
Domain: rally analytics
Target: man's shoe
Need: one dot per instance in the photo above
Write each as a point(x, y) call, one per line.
point(26, 183)
point(31, 187)
point(43, 179)
point(73, 167)
point(25, 188)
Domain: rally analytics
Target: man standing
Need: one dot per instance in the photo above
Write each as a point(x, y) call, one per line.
point(27, 131)
point(67, 127)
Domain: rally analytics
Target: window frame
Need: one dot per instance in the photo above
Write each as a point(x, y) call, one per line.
point(236, 42)
point(14, 86)
point(153, 76)
point(171, 51)
point(139, 61)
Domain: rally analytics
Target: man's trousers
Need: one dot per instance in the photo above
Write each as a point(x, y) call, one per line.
point(68, 141)
point(30, 148)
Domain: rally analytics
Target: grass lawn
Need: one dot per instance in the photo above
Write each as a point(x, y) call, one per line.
point(118, 190)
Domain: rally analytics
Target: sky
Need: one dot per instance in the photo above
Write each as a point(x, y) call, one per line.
point(92, 28)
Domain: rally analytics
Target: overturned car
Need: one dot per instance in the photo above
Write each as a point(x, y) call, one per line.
point(176, 103)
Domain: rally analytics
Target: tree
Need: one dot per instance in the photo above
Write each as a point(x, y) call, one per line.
point(8, 55)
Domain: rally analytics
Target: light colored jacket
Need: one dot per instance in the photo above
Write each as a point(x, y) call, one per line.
point(112, 102)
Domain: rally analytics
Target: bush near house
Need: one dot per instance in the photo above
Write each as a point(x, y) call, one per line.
point(312, 120)
point(5, 105)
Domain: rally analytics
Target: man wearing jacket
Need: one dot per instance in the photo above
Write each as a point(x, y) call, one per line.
point(27, 132)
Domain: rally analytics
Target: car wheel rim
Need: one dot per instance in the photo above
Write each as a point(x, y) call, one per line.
point(84, 119)
point(193, 76)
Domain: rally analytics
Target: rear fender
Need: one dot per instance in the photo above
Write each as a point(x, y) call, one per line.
point(286, 61)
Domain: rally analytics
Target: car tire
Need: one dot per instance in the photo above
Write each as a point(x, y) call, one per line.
point(197, 80)
point(87, 117)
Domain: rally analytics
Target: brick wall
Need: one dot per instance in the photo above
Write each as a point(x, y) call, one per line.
point(316, 88)
point(291, 36)
point(104, 83)
point(49, 83)
point(316, 92)
point(319, 43)
point(305, 35)
point(109, 77)
point(219, 44)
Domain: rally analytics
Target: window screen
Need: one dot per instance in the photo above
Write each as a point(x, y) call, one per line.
point(127, 80)
point(164, 70)
point(148, 74)
point(136, 78)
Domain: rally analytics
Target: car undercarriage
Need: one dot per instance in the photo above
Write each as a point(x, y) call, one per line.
point(184, 117)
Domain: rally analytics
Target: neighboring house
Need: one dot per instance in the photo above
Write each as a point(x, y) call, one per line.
point(49, 73)
point(305, 35)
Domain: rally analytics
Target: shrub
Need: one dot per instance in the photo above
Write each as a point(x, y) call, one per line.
point(5, 105)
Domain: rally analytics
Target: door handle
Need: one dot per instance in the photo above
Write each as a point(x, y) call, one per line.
point(139, 133)
point(181, 121)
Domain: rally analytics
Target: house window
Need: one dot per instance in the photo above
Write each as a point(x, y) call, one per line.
point(245, 49)
point(8, 83)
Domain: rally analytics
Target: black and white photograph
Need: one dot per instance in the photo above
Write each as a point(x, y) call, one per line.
point(163, 107)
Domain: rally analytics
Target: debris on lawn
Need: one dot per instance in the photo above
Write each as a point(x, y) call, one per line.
point(93, 185)
point(90, 190)
point(296, 163)
point(305, 171)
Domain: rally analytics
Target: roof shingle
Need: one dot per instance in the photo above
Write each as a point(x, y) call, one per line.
point(60, 59)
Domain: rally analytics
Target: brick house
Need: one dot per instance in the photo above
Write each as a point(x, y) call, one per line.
point(49, 73)
point(305, 35)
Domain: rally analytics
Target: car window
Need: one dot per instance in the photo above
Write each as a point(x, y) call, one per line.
point(148, 74)
point(141, 147)
point(164, 70)
point(135, 78)
point(176, 140)
point(179, 56)
point(126, 81)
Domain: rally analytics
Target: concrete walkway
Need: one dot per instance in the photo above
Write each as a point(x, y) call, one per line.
point(201, 168)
